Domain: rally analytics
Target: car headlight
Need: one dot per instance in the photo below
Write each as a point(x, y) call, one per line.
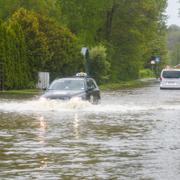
point(42, 98)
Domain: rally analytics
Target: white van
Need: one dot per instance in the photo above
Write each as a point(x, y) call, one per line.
point(170, 79)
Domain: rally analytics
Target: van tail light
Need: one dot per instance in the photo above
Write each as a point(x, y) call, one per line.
point(160, 78)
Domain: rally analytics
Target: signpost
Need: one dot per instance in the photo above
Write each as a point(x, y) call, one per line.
point(85, 53)
point(155, 60)
point(43, 80)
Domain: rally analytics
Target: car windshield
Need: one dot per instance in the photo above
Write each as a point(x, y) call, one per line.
point(67, 84)
point(171, 74)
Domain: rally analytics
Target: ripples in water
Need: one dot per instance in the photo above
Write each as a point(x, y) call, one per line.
point(125, 137)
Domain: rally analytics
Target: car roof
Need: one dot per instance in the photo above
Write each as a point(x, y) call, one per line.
point(69, 78)
point(73, 78)
point(173, 69)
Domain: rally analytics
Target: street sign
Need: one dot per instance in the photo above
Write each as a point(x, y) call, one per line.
point(157, 60)
point(153, 62)
point(84, 51)
point(43, 80)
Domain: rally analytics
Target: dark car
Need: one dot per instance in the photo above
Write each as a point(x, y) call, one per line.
point(80, 86)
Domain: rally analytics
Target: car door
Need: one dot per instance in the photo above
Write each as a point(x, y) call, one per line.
point(92, 88)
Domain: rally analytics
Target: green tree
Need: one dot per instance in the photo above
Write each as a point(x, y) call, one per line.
point(30, 43)
point(173, 36)
point(173, 44)
point(63, 47)
point(84, 18)
point(175, 54)
point(99, 65)
point(128, 28)
point(132, 32)
point(13, 56)
point(44, 7)
point(135, 26)
point(36, 41)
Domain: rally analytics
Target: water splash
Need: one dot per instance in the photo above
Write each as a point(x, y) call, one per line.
point(43, 105)
point(36, 106)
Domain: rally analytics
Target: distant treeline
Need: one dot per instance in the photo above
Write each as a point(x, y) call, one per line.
point(47, 35)
point(174, 44)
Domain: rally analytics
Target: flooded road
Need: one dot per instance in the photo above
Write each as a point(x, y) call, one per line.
point(132, 134)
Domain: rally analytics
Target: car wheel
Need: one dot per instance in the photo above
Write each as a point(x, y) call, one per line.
point(93, 99)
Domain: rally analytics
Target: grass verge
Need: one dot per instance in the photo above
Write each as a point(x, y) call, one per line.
point(23, 91)
point(124, 85)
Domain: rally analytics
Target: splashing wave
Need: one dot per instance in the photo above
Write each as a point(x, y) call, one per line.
point(77, 105)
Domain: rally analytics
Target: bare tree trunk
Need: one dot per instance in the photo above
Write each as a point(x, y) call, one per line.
point(109, 21)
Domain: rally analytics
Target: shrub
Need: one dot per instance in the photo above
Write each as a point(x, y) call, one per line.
point(99, 65)
point(146, 73)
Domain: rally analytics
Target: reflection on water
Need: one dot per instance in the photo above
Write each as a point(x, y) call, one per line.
point(76, 126)
point(132, 134)
point(42, 129)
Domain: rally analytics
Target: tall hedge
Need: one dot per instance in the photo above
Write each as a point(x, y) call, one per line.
point(31, 43)
point(13, 55)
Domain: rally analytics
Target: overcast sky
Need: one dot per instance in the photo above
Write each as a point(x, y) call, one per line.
point(172, 12)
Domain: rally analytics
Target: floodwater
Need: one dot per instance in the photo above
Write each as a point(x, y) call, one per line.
point(132, 134)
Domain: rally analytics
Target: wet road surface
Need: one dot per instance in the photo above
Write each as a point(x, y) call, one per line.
point(132, 134)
